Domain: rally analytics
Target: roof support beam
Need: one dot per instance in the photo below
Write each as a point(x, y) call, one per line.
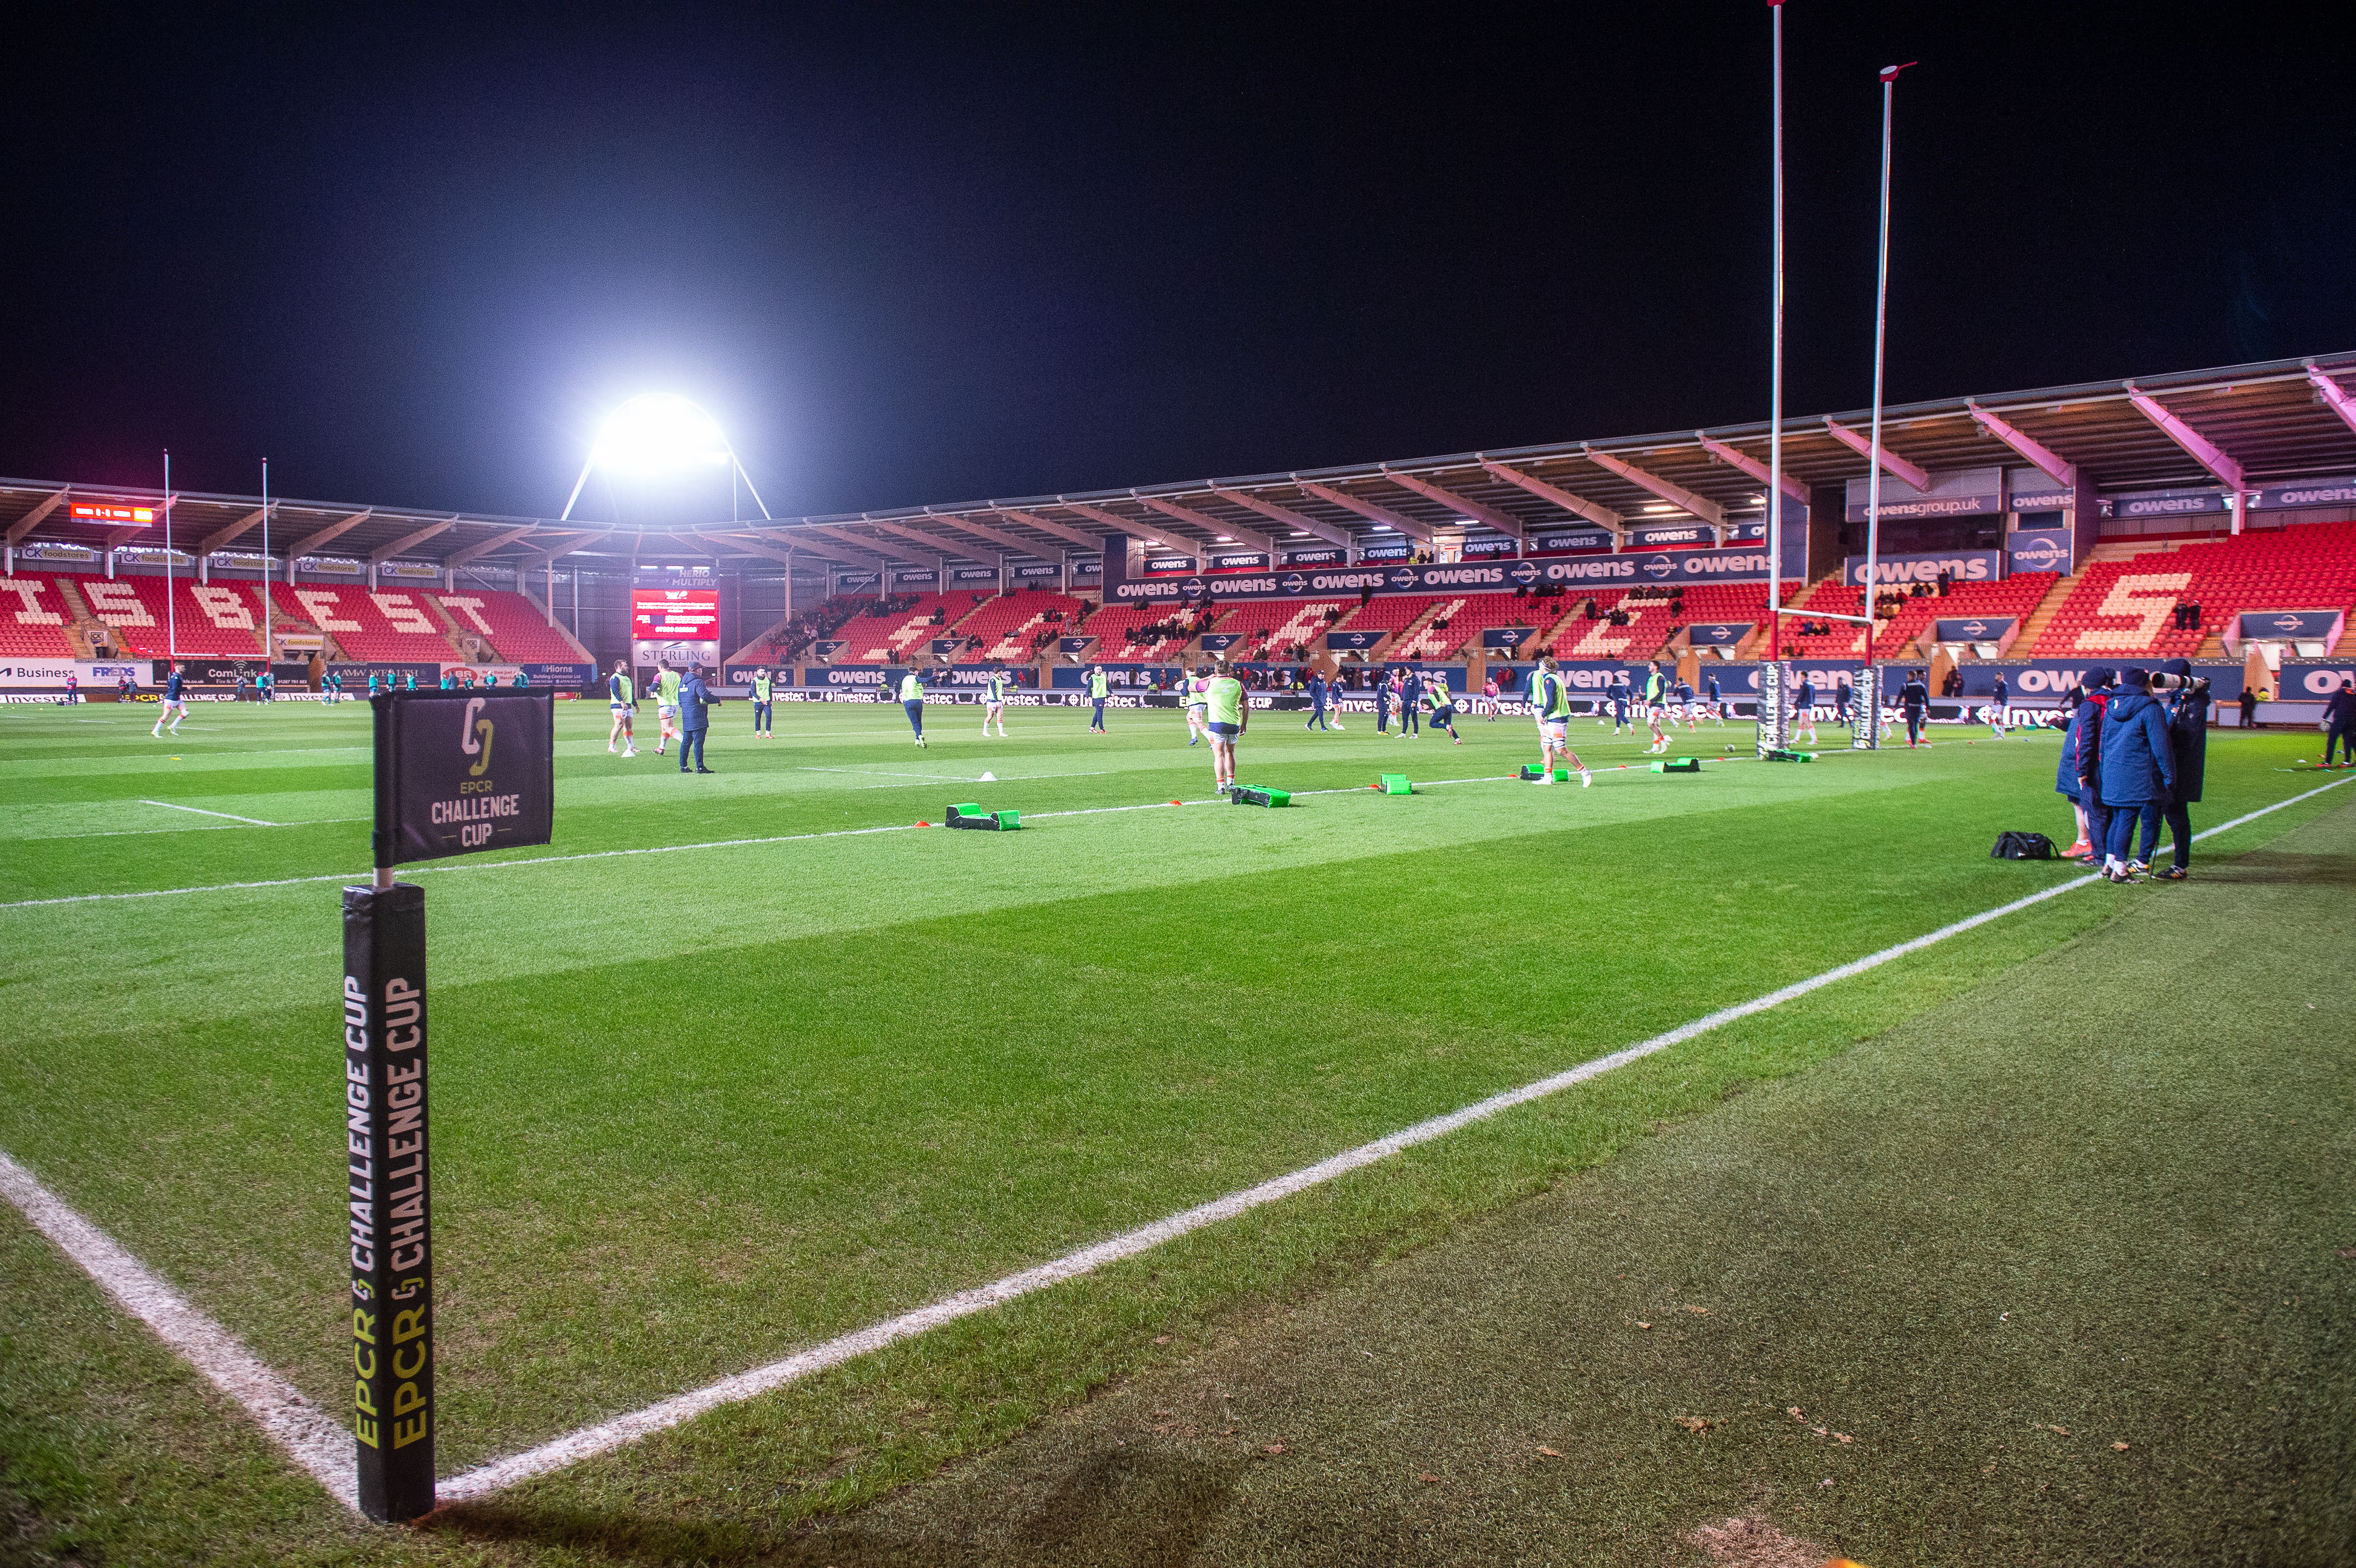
point(1751, 466)
point(1177, 513)
point(825, 548)
point(1010, 543)
point(2196, 446)
point(940, 543)
point(1668, 490)
point(1286, 516)
point(24, 525)
point(883, 548)
point(1062, 531)
point(410, 542)
point(483, 546)
point(1373, 511)
point(542, 560)
point(748, 545)
point(121, 537)
point(1578, 506)
point(1913, 474)
point(2049, 462)
point(1130, 526)
point(224, 536)
point(334, 530)
point(1476, 511)
point(2329, 391)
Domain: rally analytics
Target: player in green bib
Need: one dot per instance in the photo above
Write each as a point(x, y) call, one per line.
point(1227, 713)
point(761, 706)
point(1550, 696)
point(622, 702)
point(994, 702)
point(912, 702)
point(666, 705)
point(1099, 688)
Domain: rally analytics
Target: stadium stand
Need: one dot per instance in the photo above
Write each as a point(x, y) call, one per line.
point(1453, 622)
point(1007, 624)
point(392, 624)
point(902, 632)
point(1650, 623)
point(2015, 596)
point(221, 620)
point(1283, 624)
point(1121, 629)
point(2126, 605)
point(33, 620)
point(514, 627)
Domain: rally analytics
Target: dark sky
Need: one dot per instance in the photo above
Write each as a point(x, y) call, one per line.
point(909, 254)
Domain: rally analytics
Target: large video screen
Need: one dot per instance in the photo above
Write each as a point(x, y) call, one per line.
point(675, 614)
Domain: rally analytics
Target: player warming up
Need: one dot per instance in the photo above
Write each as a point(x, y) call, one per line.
point(1099, 688)
point(1228, 713)
point(912, 702)
point(1805, 716)
point(622, 702)
point(175, 705)
point(994, 702)
point(666, 707)
point(1196, 689)
point(1551, 706)
point(762, 708)
point(1443, 703)
point(1656, 697)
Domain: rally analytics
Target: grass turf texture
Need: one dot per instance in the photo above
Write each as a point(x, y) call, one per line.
point(696, 1109)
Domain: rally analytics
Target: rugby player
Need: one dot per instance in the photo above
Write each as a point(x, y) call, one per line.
point(1550, 705)
point(174, 706)
point(993, 700)
point(622, 701)
point(1227, 713)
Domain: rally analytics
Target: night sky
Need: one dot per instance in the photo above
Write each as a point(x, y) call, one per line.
point(909, 255)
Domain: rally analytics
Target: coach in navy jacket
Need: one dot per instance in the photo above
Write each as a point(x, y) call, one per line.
point(2139, 765)
point(694, 719)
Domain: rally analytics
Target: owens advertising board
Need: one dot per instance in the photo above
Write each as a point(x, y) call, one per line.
point(675, 614)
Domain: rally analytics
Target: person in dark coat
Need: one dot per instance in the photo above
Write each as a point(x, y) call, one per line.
point(2086, 753)
point(2065, 779)
point(2138, 770)
point(1914, 700)
point(2188, 735)
point(2340, 725)
point(694, 718)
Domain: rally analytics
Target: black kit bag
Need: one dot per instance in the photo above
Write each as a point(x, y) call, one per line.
point(2022, 847)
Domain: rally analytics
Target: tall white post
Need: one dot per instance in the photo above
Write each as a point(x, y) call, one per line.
point(1880, 320)
point(171, 616)
point(1775, 369)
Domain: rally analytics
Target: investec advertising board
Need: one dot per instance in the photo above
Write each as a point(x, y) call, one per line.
point(1604, 572)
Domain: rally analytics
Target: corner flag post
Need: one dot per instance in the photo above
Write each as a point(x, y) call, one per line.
point(436, 794)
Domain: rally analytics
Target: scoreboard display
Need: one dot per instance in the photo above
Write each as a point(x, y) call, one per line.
point(675, 614)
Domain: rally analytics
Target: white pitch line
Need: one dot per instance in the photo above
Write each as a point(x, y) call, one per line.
point(200, 811)
point(323, 1447)
point(606, 1436)
point(318, 1444)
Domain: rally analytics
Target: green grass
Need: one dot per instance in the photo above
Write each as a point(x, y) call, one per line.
point(697, 1109)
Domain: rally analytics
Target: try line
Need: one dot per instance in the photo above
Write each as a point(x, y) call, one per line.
point(323, 1448)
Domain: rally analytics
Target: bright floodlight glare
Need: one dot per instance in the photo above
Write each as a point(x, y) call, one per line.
point(659, 430)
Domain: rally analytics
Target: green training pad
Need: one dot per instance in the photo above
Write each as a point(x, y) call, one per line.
point(1791, 756)
point(1677, 765)
point(1008, 820)
point(1248, 794)
point(1396, 784)
point(968, 809)
point(1531, 774)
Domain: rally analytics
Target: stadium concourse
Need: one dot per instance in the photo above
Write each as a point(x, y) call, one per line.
point(1428, 1165)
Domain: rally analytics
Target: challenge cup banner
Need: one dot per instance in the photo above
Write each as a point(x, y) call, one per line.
point(466, 771)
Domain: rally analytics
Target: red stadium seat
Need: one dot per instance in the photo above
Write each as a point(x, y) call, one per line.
point(396, 625)
point(516, 629)
point(33, 620)
point(2126, 608)
point(218, 620)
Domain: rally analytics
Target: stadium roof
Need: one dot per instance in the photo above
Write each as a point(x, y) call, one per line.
point(2242, 426)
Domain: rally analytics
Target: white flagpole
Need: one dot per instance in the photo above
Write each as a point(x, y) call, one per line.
point(269, 649)
point(171, 617)
point(1776, 374)
point(1880, 320)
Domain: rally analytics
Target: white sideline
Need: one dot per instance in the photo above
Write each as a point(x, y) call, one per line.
point(591, 1441)
point(318, 1444)
point(200, 811)
point(323, 1448)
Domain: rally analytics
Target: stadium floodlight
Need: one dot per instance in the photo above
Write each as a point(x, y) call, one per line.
point(661, 433)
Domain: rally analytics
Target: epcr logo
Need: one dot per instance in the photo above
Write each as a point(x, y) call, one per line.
point(1293, 582)
point(1658, 567)
point(475, 737)
point(1402, 578)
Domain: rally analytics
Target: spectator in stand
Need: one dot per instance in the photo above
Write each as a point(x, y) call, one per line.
point(2339, 721)
point(2138, 773)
